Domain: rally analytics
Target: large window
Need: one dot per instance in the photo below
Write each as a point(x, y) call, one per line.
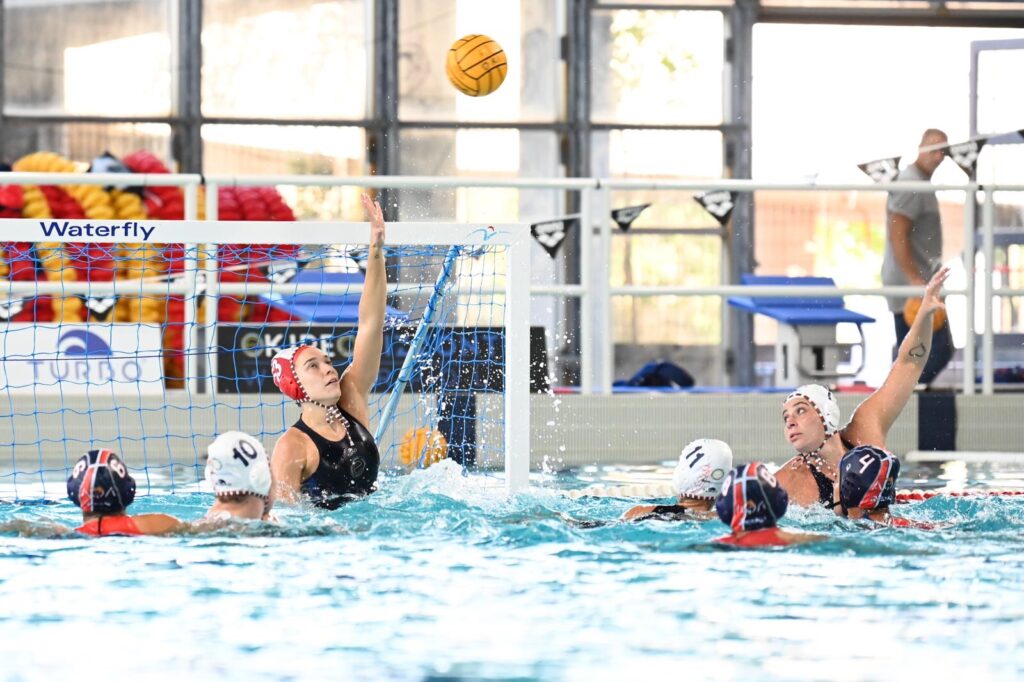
point(85, 141)
point(661, 68)
point(481, 152)
point(286, 60)
point(88, 58)
point(529, 33)
point(818, 118)
point(657, 67)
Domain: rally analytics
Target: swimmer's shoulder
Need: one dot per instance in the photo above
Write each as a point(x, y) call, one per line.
point(767, 537)
point(157, 524)
point(795, 476)
point(294, 445)
point(638, 512)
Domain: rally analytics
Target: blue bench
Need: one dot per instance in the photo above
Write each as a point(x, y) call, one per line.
point(332, 308)
point(806, 348)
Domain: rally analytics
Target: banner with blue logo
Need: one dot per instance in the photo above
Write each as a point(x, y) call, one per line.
point(82, 359)
point(464, 358)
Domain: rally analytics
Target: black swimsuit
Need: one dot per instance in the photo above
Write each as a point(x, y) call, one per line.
point(666, 512)
point(826, 486)
point(348, 467)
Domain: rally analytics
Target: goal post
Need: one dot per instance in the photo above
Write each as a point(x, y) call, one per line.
point(150, 337)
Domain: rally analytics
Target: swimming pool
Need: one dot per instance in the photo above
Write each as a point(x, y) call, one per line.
point(439, 577)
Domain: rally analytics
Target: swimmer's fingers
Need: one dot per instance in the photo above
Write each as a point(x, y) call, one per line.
point(376, 217)
point(932, 300)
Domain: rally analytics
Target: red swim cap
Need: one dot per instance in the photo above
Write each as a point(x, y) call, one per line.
point(285, 376)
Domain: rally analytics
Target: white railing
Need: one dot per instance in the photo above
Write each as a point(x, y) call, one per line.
point(594, 290)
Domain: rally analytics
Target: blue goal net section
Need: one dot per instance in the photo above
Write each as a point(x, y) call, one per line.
point(152, 337)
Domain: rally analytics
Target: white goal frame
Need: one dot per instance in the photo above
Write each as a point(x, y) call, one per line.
point(197, 234)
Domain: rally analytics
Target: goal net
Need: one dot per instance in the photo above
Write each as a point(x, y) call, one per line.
point(150, 338)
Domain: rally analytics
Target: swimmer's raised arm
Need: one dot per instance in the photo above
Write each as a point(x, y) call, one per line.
point(872, 420)
point(369, 341)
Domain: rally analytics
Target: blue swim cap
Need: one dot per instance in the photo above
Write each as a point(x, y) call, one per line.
point(100, 483)
point(751, 498)
point(867, 478)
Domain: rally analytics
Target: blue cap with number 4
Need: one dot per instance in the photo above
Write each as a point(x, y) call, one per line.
point(867, 478)
point(237, 464)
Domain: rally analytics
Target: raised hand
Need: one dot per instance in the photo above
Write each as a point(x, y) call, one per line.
point(932, 301)
point(376, 217)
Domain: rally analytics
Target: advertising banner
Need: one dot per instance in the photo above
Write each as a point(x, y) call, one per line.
point(463, 358)
point(81, 358)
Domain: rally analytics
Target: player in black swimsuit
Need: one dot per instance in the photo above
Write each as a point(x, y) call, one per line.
point(348, 467)
point(810, 414)
point(329, 455)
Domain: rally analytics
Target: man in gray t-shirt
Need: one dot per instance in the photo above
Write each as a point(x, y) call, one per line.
point(913, 245)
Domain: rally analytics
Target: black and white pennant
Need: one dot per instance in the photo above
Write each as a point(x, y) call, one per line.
point(625, 216)
point(719, 203)
point(551, 233)
point(965, 155)
point(11, 307)
point(281, 272)
point(99, 307)
point(882, 170)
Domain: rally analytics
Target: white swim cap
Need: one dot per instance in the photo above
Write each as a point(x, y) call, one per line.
point(702, 466)
point(237, 464)
point(823, 401)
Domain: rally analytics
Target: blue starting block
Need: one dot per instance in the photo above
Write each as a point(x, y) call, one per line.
point(806, 349)
point(332, 308)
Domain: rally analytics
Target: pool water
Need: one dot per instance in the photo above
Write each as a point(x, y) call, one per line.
point(438, 576)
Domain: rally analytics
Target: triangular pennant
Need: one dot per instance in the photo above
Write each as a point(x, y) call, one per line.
point(551, 233)
point(719, 203)
point(625, 216)
point(965, 155)
point(882, 170)
point(99, 307)
point(10, 308)
point(281, 272)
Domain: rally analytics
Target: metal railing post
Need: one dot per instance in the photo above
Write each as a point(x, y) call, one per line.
point(970, 250)
point(587, 340)
point(193, 252)
point(602, 292)
point(988, 248)
point(212, 276)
